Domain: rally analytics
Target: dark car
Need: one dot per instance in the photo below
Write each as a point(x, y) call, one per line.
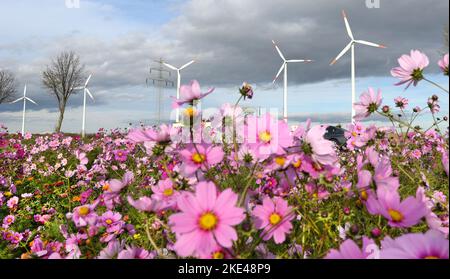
point(336, 135)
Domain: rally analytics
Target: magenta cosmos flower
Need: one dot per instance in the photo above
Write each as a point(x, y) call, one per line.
point(443, 64)
point(368, 104)
point(321, 150)
point(190, 93)
point(350, 250)
point(200, 157)
point(274, 217)
point(403, 214)
point(411, 68)
point(431, 245)
point(206, 220)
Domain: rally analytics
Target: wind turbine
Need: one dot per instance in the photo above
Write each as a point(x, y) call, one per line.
point(351, 46)
point(284, 67)
point(178, 70)
point(25, 99)
point(85, 92)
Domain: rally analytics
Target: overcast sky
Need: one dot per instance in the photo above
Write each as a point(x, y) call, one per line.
point(230, 39)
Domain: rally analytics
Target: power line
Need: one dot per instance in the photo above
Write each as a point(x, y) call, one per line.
point(159, 77)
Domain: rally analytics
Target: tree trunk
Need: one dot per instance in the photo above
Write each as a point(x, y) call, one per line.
point(60, 119)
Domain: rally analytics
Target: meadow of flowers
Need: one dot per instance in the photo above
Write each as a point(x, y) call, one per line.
point(241, 187)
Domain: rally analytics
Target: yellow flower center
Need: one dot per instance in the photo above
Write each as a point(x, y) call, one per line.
point(218, 255)
point(265, 136)
point(108, 221)
point(396, 215)
point(364, 195)
point(198, 158)
point(105, 187)
point(297, 164)
point(9, 220)
point(208, 221)
point(190, 112)
point(354, 134)
point(83, 211)
point(168, 192)
point(280, 161)
point(431, 258)
point(274, 219)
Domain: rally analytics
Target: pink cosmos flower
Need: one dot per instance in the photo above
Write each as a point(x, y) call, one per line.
point(401, 102)
point(113, 188)
point(267, 135)
point(84, 215)
point(134, 253)
point(368, 104)
point(431, 245)
point(274, 217)
point(120, 155)
point(109, 218)
point(411, 68)
point(12, 202)
point(206, 220)
point(416, 153)
point(443, 64)
point(190, 93)
point(8, 220)
point(350, 250)
point(445, 161)
point(149, 136)
point(402, 214)
point(202, 157)
point(145, 204)
point(165, 193)
point(81, 156)
point(111, 250)
point(433, 221)
point(321, 150)
point(383, 175)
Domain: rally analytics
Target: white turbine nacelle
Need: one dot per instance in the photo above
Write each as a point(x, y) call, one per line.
point(284, 67)
point(178, 70)
point(351, 46)
point(25, 99)
point(86, 92)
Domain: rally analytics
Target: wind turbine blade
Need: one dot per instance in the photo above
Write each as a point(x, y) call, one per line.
point(279, 51)
point(279, 72)
point(28, 99)
point(347, 26)
point(87, 81)
point(187, 65)
point(369, 44)
point(299, 61)
point(342, 53)
point(170, 66)
point(20, 99)
point(25, 90)
point(78, 88)
point(89, 93)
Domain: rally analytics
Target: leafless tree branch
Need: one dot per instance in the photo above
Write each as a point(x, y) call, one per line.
point(61, 77)
point(8, 87)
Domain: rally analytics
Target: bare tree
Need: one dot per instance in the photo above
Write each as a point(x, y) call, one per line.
point(8, 87)
point(64, 74)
